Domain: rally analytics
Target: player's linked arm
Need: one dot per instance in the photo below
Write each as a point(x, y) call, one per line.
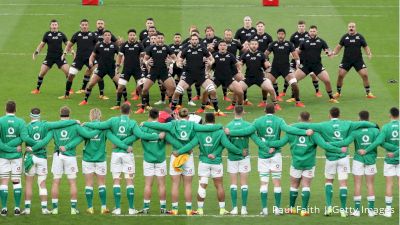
point(85, 133)
point(159, 126)
point(59, 124)
point(189, 146)
point(258, 141)
point(346, 142)
point(15, 142)
point(173, 141)
point(72, 144)
point(7, 148)
point(42, 143)
point(361, 124)
point(390, 147)
point(291, 130)
point(378, 141)
point(318, 127)
point(242, 132)
point(326, 146)
point(100, 125)
point(279, 143)
point(26, 138)
point(116, 141)
point(228, 145)
point(145, 136)
point(130, 139)
point(206, 128)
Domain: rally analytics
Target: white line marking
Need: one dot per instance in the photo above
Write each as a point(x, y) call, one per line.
point(341, 6)
point(31, 14)
point(194, 216)
point(341, 15)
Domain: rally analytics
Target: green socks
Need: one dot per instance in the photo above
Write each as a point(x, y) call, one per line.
point(328, 194)
point(117, 196)
point(103, 195)
point(89, 196)
point(305, 197)
point(130, 194)
point(245, 193)
point(293, 196)
point(343, 197)
point(278, 196)
point(234, 195)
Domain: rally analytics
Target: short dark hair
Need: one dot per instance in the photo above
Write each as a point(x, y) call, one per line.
point(125, 109)
point(107, 31)
point(313, 27)
point(210, 118)
point(160, 34)
point(334, 112)
point(84, 20)
point(132, 30)
point(11, 106)
point(53, 21)
point(394, 112)
point(364, 115)
point(196, 31)
point(239, 109)
point(301, 22)
point(35, 111)
point(153, 27)
point(305, 116)
point(150, 19)
point(253, 40)
point(183, 113)
point(221, 41)
point(179, 34)
point(281, 30)
point(194, 35)
point(65, 111)
point(260, 22)
point(270, 108)
point(209, 27)
point(153, 113)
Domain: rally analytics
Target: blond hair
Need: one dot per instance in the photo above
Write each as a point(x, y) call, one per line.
point(95, 114)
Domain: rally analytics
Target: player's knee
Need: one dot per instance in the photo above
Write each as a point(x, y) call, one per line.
point(179, 89)
point(264, 178)
point(71, 176)
point(41, 181)
point(73, 71)
point(16, 179)
point(129, 176)
point(203, 180)
point(264, 188)
point(277, 189)
point(4, 176)
point(292, 81)
point(57, 176)
point(210, 89)
point(342, 176)
point(276, 175)
point(122, 82)
point(201, 192)
point(116, 175)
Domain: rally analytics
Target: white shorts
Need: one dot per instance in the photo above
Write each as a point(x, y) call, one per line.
point(188, 167)
point(39, 166)
point(99, 168)
point(210, 170)
point(154, 169)
point(390, 170)
point(11, 165)
point(302, 173)
point(273, 164)
point(240, 166)
point(64, 164)
point(341, 166)
point(360, 169)
point(122, 163)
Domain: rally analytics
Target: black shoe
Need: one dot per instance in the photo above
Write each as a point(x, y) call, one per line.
point(17, 212)
point(4, 212)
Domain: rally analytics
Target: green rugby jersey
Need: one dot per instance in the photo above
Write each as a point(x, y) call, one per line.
point(211, 143)
point(11, 128)
point(389, 139)
point(362, 138)
point(123, 128)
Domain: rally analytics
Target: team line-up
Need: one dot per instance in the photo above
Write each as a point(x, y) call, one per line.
point(209, 63)
point(184, 132)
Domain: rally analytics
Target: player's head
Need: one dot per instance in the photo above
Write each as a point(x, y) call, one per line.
point(153, 114)
point(125, 109)
point(222, 47)
point(334, 112)
point(260, 26)
point(247, 21)
point(270, 108)
point(53, 25)
point(100, 24)
point(194, 40)
point(394, 113)
point(313, 31)
point(84, 25)
point(177, 38)
point(65, 111)
point(107, 36)
point(95, 114)
point(228, 34)
point(35, 114)
point(363, 115)
point(131, 35)
point(209, 31)
point(253, 45)
point(151, 31)
point(196, 32)
point(304, 117)
point(351, 28)
point(192, 28)
point(160, 38)
point(149, 23)
point(281, 33)
point(183, 113)
point(301, 26)
point(209, 118)
point(238, 111)
point(153, 39)
point(11, 107)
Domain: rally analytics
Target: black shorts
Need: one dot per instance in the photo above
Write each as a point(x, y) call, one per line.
point(283, 71)
point(224, 82)
point(102, 71)
point(156, 75)
point(250, 81)
point(127, 73)
point(190, 79)
point(293, 63)
point(315, 68)
point(79, 62)
point(51, 60)
point(358, 65)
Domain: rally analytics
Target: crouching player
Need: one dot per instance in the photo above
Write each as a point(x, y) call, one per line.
point(211, 145)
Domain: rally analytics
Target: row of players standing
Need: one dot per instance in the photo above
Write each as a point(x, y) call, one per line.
point(138, 58)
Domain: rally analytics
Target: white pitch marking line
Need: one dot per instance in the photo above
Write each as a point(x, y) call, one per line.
point(31, 14)
point(341, 15)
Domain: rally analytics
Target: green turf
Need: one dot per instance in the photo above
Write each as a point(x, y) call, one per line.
point(23, 23)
